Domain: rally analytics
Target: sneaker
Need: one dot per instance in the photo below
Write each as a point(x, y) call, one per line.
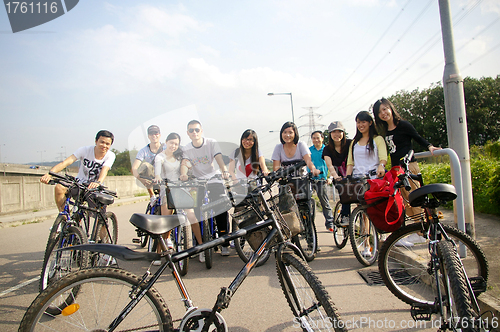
point(224, 251)
point(231, 244)
point(404, 243)
point(202, 257)
point(156, 263)
point(169, 243)
point(345, 221)
point(366, 252)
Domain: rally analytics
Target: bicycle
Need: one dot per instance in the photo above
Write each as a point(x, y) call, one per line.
point(435, 268)
point(106, 298)
point(307, 239)
point(67, 229)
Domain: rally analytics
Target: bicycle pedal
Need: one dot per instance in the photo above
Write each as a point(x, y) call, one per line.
point(478, 285)
point(421, 312)
point(136, 240)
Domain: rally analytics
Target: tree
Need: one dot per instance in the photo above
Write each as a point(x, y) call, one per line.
point(122, 165)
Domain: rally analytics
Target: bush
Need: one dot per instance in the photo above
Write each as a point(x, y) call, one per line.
point(485, 174)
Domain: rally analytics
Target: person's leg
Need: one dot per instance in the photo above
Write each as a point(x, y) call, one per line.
point(410, 210)
point(195, 224)
point(325, 204)
point(60, 196)
point(222, 225)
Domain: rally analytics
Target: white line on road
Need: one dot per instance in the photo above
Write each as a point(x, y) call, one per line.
point(7, 291)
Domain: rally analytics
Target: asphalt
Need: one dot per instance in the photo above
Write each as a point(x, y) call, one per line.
point(487, 228)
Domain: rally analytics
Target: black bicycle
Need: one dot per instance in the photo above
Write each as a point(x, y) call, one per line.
point(72, 227)
point(108, 299)
point(435, 268)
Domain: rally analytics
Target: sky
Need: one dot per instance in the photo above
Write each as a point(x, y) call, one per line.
point(123, 65)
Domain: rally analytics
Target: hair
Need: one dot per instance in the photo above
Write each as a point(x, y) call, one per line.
point(254, 154)
point(331, 143)
point(317, 132)
point(365, 116)
point(286, 125)
point(105, 133)
point(178, 152)
point(382, 125)
point(193, 122)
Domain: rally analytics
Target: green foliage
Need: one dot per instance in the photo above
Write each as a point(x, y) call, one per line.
point(122, 165)
point(425, 111)
point(485, 175)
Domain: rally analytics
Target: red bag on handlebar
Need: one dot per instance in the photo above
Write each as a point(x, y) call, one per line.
point(385, 209)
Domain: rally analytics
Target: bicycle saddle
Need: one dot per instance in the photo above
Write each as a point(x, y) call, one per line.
point(104, 198)
point(157, 224)
point(441, 191)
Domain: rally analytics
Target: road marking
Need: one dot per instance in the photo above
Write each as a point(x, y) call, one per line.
point(7, 291)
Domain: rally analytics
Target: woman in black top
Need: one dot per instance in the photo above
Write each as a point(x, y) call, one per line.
point(335, 156)
point(398, 136)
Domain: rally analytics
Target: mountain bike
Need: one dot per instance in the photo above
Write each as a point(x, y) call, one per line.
point(307, 239)
point(108, 299)
point(72, 227)
point(435, 268)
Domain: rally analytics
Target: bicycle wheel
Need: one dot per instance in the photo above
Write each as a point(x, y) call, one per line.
point(311, 304)
point(363, 236)
point(101, 294)
point(307, 240)
point(340, 234)
point(206, 237)
point(245, 251)
point(181, 237)
point(107, 231)
point(405, 260)
point(54, 232)
point(60, 263)
point(458, 302)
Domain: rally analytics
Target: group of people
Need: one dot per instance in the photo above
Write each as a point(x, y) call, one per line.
point(366, 153)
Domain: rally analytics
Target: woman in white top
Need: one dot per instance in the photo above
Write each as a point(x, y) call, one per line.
point(246, 161)
point(367, 153)
point(167, 166)
point(290, 150)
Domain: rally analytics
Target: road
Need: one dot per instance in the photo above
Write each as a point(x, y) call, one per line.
point(259, 304)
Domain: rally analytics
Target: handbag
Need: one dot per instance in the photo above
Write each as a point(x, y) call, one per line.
point(384, 207)
point(351, 190)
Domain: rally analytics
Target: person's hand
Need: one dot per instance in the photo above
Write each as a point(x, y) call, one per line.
point(94, 185)
point(157, 179)
point(329, 181)
point(380, 171)
point(225, 175)
point(183, 177)
point(315, 172)
point(432, 148)
point(266, 172)
point(46, 178)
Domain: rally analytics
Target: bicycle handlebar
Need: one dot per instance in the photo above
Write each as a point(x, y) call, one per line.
point(69, 180)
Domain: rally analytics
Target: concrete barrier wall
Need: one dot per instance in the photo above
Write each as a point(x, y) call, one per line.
point(28, 194)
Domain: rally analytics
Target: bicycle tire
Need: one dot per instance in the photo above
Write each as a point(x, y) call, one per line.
point(307, 240)
point(54, 231)
point(340, 234)
point(245, 251)
point(181, 237)
point(59, 264)
point(458, 302)
point(206, 237)
point(364, 238)
point(410, 281)
point(101, 294)
point(308, 299)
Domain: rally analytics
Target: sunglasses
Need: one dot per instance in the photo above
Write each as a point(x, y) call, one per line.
point(191, 130)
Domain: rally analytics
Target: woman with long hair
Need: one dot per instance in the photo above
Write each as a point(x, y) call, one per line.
point(247, 160)
point(398, 136)
point(335, 156)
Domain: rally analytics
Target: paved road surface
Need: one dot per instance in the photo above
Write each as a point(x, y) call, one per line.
point(257, 306)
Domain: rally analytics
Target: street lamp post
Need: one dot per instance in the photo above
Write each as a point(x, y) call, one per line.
point(291, 100)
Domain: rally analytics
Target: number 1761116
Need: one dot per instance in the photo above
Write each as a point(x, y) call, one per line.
point(31, 7)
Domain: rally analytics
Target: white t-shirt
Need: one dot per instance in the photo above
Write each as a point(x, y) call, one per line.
point(145, 154)
point(280, 155)
point(240, 170)
point(202, 157)
point(90, 167)
point(167, 169)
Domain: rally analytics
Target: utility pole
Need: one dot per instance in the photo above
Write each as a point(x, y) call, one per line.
point(456, 121)
point(312, 125)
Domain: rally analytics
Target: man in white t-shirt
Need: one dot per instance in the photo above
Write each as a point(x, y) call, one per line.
point(143, 165)
point(199, 156)
point(95, 162)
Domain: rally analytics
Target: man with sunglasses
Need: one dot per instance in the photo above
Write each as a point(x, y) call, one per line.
point(198, 156)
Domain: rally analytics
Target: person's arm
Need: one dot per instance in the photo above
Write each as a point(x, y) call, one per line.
point(263, 166)
point(232, 166)
point(382, 155)
point(57, 168)
point(102, 175)
point(350, 161)
point(185, 166)
point(331, 168)
point(310, 164)
point(135, 167)
point(412, 132)
point(158, 166)
point(276, 165)
point(222, 166)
